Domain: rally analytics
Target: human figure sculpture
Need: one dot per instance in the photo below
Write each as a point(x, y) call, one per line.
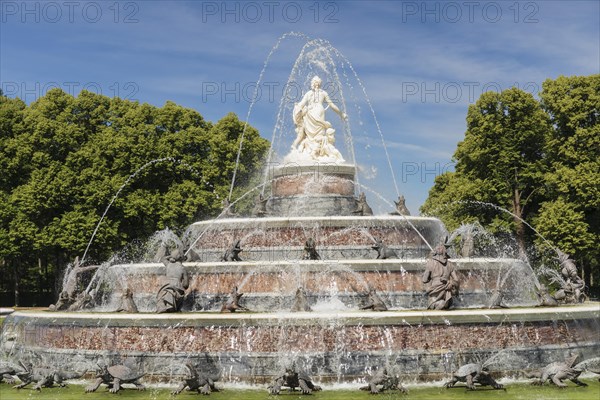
point(314, 135)
point(401, 208)
point(442, 279)
point(233, 253)
point(362, 208)
point(310, 250)
point(571, 290)
point(170, 295)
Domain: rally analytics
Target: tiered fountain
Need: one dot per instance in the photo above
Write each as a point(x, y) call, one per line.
point(313, 196)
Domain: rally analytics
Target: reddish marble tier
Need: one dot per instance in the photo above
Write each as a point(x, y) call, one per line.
point(316, 338)
point(287, 282)
point(312, 184)
point(297, 236)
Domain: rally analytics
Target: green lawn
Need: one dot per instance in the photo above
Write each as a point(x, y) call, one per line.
point(519, 391)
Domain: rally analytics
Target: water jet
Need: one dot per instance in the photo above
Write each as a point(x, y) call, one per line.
point(310, 201)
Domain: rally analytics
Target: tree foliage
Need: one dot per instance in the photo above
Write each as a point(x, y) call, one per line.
point(499, 162)
point(540, 160)
point(64, 159)
point(570, 215)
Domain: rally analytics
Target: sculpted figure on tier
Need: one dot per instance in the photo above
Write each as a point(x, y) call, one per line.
point(71, 297)
point(170, 295)
point(401, 208)
point(572, 286)
point(441, 280)
point(315, 137)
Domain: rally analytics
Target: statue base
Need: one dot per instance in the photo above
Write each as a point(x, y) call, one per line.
point(319, 189)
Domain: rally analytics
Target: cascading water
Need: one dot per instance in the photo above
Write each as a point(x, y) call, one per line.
point(338, 340)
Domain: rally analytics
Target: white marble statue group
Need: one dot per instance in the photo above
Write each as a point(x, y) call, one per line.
point(314, 135)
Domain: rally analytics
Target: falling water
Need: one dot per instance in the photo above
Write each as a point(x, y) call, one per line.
point(149, 163)
point(254, 98)
point(318, 55)
point(508, 212)
point(231, 205)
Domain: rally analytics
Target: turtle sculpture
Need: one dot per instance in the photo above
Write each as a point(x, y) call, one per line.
point(44, 377)
point(8, 373)
point(384, 379)
point(292, 378)
point(114, 376)
point(472, 374)
point(557, 372)
point(591, 365)
point(197, 381)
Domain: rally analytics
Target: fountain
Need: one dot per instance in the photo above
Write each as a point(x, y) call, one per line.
point(354, 280)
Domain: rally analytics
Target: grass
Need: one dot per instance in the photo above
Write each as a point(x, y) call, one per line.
point(515, 391)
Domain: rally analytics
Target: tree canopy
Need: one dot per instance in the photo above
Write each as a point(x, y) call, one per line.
point(539, 160)
point(64, 159)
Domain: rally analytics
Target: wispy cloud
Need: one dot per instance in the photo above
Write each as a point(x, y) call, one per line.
point(411, 67)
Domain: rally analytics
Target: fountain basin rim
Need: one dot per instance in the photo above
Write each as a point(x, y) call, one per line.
point(375, 265)
point(324, 221)
point(299, 167)
point(397, 317)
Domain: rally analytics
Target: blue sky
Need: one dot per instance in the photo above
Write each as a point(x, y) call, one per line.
point(421, 63)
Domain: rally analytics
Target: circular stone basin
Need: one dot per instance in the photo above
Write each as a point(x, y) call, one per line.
point(319, 168)
point(251, 346)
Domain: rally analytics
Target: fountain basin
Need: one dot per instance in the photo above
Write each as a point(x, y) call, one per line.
point(269, 286)
point(339, 346)
point(337, 237)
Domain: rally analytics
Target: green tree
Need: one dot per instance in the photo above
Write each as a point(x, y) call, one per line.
point(65, 159)
point(500, 161)
point(570, 217)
